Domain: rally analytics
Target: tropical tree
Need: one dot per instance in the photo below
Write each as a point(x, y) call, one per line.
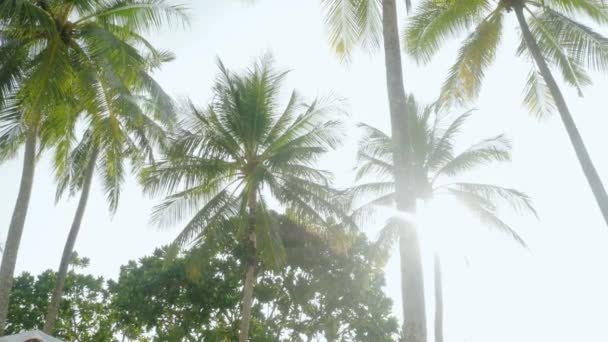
point(85, 313)
point(370, 23)
point(437, 163)
point(552, 36)
point(229, 152)
point(126, 123)
point(196, 295)
point(50, 53)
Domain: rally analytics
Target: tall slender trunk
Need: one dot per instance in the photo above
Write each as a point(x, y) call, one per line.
point(53, 309)
point(584, 159)
point(412, 286)
point(15, 230)
point(438, 299)
point(250, 271)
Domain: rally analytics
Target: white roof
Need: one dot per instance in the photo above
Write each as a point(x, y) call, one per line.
point(24, 336)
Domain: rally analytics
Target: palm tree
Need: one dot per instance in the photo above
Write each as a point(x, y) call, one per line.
point(436, 162)
point(368, 22)
point(49, 53)
point(551, 35)
point(237, 152)
point(127, 123)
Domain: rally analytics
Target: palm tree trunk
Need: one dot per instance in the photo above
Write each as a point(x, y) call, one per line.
point(584, 159)
point(438, 300)
point(250, 271)
point(15, 230)
point(53, 309)
point(412, 286)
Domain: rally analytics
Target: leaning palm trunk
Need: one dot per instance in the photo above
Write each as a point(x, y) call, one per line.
point(438, 300)
point(412, 287)
point(575, 138)
point(15, 230)
point(250, 272)
point(53, 310)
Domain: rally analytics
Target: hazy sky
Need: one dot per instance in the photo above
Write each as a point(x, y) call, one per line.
point(495, 291)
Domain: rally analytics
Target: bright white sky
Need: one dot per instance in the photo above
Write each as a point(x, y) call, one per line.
point(495, 291)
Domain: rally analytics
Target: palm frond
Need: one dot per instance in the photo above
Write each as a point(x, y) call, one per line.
point(495, 149)
point(138, 15)
point(593, 9)
point(270, 244)
point(547, 30)
point(486, 213)
point(477, 52)
point(220, 209)
point(579, 42)
point(517, 200)
point(537, 96)
point(353, 22)
point(443, 150)
point(388, 236)
point(435, 21)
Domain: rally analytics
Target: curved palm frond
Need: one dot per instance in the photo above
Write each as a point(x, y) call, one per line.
point(477, 52)
point(548, 29)
point(351, 23)
point(515, 199)
point(495, 149)
point(537, 96)
point(486, 212)
point(435, 21)
point(443, 150)
point(593, 9)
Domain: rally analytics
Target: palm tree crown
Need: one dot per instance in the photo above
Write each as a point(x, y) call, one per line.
point(566, 44)
point(436, 162)
point(51, 52)
point(240, 145)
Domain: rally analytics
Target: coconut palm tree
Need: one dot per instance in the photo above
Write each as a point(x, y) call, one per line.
point(238, 152)
point(436, 163)
point(371, 23)
point(126, 124)
point(552, 36)
point(49, 53)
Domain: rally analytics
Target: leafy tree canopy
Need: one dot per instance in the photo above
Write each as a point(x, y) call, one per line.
point(322, 292)
point(325, 291)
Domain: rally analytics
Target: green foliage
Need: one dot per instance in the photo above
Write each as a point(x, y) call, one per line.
point(322, 292)
point(353, 22)
point(319, 293)
point(84, 313)
point(64, 58)
point(566, 44)
point(242, 149)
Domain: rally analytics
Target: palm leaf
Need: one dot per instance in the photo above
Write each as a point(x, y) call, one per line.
point(537, 96)
point(435, 21)
point(486, 213)
point(475, 55)
point(495, 149)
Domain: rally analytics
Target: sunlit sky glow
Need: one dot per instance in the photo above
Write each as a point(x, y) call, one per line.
point(494, 290)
